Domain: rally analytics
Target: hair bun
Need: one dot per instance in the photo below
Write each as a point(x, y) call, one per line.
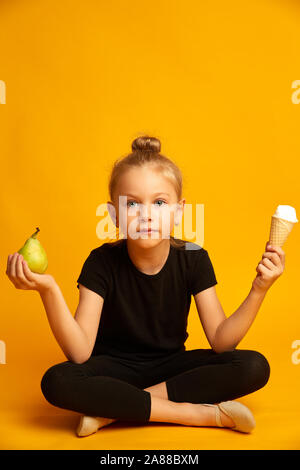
point(146, 143)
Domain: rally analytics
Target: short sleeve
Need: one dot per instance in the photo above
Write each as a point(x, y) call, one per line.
point(94, 274)
point(203, 274)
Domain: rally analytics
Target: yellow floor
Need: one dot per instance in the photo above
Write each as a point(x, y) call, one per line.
point(27, 421)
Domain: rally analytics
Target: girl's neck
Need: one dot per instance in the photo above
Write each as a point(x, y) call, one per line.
point(149, 260)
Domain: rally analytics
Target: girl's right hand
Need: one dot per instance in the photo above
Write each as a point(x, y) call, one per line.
point(22, 277)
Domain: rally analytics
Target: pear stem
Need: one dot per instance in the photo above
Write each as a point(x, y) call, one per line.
point(35, 233)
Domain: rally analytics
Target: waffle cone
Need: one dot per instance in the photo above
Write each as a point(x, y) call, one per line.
point(280, 230)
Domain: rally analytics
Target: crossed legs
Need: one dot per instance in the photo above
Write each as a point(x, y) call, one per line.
point(177, 399)
point(163, 410)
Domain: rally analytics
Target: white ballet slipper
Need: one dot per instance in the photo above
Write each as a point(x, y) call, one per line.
point(90, 424)
point(241, 415)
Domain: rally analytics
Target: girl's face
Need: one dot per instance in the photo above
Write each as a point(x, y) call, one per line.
point(146, 200)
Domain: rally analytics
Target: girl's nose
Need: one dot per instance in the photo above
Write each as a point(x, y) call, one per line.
point(145, 212)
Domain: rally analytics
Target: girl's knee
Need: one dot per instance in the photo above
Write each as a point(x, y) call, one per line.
point(262, 368)
point(52, 382)
point(256, 368)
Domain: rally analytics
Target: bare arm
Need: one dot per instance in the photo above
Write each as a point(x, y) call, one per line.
point(232, 330)
point(75, 335)
point(225, 333)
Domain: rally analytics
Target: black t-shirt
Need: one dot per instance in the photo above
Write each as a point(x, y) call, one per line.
point(144, 316)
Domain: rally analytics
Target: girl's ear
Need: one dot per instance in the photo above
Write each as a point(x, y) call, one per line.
point(179, 212)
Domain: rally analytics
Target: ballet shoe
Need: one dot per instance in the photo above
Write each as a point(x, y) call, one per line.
point(90, 424)
point(241, 415)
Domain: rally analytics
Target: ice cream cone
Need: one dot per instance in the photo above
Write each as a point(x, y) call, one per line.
point(280, 230)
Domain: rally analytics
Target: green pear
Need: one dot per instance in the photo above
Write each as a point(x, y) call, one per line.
point(35, 255)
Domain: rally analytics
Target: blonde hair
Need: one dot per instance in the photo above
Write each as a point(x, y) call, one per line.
point(146, 151)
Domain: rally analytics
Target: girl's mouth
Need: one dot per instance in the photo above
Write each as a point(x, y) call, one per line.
point(149, 230)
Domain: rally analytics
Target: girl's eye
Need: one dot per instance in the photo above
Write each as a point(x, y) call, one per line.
point(160, 200)
point(134, 202)
point(130, 202)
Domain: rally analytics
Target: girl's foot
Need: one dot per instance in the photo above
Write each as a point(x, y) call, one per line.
point(90, 424)
point(229, 414)
point(202, 415)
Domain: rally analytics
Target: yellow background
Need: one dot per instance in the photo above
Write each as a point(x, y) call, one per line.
point(213, 81)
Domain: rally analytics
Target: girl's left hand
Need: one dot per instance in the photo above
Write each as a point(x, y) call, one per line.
point(269, 268)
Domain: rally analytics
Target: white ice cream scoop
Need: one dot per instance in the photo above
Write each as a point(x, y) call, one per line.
point(286, 213)
point(282, 223)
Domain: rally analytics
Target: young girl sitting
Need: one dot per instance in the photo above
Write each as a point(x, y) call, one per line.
point(125, 345)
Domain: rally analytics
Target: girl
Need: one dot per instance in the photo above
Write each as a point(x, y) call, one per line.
point(125, 344)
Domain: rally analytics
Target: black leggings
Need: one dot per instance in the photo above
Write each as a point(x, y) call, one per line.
point(112, 387)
